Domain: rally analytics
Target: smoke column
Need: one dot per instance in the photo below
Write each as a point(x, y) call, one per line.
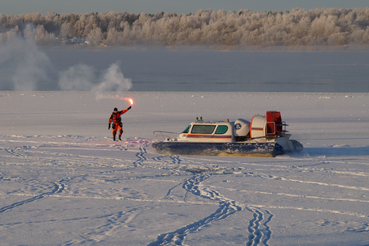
point(23, 66)
point(112, 80)
point(77, 78)
point(82, 77)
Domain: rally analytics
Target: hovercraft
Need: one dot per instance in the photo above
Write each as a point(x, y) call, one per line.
point(264, 136)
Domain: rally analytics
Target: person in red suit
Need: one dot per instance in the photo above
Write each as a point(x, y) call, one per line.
point(117, 122)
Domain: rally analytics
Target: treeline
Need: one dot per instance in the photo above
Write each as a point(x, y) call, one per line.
point(297, 27)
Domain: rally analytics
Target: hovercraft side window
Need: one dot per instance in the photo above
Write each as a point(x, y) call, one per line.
point(203, 129)
point(187, 129)
point(221, 130)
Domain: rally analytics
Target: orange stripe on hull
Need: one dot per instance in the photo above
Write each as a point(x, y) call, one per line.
point(257, 129)
point(207, 136)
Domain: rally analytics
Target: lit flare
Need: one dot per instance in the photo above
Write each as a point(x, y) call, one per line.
point(128, 99)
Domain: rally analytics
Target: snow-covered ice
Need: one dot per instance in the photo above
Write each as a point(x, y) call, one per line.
point(63, 181)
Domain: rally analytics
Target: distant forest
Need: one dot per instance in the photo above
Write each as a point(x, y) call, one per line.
point(244, 28)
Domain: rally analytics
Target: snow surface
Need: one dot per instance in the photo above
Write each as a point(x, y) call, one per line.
point(63, 181)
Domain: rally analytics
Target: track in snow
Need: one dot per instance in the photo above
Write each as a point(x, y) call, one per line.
point(258, 228)
point(58, 188)
point(192, 185)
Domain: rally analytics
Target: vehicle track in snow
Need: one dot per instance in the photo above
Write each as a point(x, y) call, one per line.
point(141, 157)
point(318, 183)
point(58, 188)
point(193, 185)
point(112, 222)
point(258, 228)
point(19, 151)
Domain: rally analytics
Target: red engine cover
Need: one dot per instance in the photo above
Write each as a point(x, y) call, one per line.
point(273, 123)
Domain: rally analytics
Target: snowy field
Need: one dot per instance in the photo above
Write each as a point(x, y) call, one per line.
point(63, 181)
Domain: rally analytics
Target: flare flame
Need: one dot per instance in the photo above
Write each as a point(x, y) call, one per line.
point(128, 99)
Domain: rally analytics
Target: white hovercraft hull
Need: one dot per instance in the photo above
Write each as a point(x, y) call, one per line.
point(263, 136)
point(270, 149)
point(247, 148)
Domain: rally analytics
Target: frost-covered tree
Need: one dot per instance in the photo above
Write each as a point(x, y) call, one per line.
point(95, 36)
point(66, 30)
point(297, 27)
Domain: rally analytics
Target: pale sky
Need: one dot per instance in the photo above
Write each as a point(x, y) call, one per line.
point(16, 7)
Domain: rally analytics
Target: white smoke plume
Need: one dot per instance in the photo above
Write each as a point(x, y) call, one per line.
point(31, 70)
point(82, 77)
point(22, 65)
point(26, 68)
point(113, 80)
point(77, 78)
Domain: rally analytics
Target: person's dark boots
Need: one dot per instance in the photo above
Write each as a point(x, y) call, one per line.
point(120, 134)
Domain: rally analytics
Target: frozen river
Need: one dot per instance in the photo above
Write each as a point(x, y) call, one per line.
point(189, 70)
point(262, 71)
